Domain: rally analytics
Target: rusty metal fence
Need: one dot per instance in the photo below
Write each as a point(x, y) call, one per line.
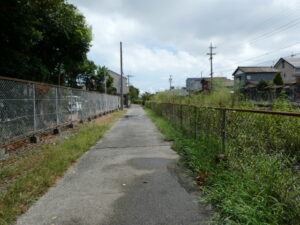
point(29, 107)
point(236, 130)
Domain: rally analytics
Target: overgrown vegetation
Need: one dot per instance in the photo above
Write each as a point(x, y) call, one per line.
point(146, 96)
point(224, 98)
point(220, 98)
point(30, 176)
point(258, 180)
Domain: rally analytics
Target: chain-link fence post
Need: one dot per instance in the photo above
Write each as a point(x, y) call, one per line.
point(34, 109)
point(56, 107)
point(33, 138)
point(223, 130)
point(56, 130)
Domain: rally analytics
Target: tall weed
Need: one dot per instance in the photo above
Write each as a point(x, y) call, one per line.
point(259, 184)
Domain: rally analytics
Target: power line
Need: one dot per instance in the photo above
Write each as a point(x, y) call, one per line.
point(265, 54)
point(281, 28)
point(271, 52)
point(272, 60)
point(271, 19)
point(121, 70)
point(282, 15)
point(265, 62)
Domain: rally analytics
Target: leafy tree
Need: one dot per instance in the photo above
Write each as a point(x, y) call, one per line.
point(110, 88)
point(278, 79)
point(146, 97)
point(18, 35)
point(43, 40)
point(93, 78)
point(262, 84)
point(103, 78)
point(48, 41)
point(133, 93)
point(86, 73)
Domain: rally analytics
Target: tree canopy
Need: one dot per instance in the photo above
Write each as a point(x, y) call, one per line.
point(133, 93)
point(261, 86)
point(278, 79)
point(146, 97)
point(47, 41)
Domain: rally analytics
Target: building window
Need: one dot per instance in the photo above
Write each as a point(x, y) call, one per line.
point(282, 65)
point(248, 77)
point(284, 74)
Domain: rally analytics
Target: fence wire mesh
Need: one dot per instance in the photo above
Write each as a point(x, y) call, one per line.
point(236, 131)
point(27, 107)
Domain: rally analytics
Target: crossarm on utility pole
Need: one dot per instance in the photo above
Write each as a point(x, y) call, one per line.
point(211, 54)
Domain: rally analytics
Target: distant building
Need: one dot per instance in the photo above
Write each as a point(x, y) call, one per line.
point(290, 73)
point(248, 77)
point(290, 70)
point(117, 82)
point(193, 84)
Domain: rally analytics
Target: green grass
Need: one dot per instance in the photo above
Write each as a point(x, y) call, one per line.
point(31, 177)
point(250, 188)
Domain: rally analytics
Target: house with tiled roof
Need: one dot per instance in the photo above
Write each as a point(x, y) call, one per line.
point(250, 76)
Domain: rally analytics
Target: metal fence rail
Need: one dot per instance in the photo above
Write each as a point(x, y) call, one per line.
point(236, 129)
point(29, 107)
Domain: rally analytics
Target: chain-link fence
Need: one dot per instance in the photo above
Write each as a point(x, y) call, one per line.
point(29, 107)
point(236, 130)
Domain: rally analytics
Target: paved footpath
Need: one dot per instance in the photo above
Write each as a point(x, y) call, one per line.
point(131, 177)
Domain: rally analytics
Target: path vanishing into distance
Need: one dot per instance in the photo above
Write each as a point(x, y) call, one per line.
point(131, 177)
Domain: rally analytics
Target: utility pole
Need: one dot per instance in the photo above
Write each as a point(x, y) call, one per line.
point(211, 54)
point(105, 90)
point(128, 77)
point(121, 67)
point(170, 80)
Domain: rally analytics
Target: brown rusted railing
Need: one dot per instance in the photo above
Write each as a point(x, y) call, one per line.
point(234, 127)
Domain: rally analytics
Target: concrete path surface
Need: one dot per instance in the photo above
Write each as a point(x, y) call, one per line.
point(131, 177)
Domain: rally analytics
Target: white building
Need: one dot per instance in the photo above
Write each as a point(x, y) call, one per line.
point(117, 82)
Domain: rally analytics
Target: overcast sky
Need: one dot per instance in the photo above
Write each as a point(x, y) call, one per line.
point(163, 37)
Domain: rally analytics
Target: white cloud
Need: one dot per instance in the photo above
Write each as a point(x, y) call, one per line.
point(172, 37)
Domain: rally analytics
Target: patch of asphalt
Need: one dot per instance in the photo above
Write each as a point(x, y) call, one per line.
point(130, 177)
